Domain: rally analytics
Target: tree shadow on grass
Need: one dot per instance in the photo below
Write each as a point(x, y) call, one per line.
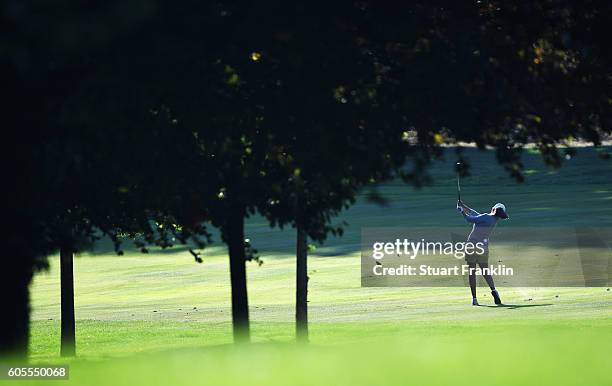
point(515, 306)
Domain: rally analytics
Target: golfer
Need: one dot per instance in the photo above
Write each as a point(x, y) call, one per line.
point(481, 230)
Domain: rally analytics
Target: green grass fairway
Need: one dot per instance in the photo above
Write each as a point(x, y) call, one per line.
point(162, 319)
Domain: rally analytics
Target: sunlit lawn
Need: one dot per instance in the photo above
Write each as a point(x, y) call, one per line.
point(153, 319)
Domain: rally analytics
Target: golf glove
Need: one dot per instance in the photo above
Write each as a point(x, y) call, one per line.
point(459, 207)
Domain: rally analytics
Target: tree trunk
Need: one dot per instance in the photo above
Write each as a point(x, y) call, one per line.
point(68, 345)
point(15, 278)
point(301, 290)
point(240, 303)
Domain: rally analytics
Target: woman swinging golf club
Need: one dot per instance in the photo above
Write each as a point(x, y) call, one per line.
point(481, 230)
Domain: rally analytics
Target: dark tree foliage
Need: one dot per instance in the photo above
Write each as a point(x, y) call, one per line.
point(502, 74)
point(77, 175)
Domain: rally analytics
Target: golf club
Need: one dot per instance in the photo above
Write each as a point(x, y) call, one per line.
point(458, 164)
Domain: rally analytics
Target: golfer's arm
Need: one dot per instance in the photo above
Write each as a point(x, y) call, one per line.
point(470, 211)
point(474, 219)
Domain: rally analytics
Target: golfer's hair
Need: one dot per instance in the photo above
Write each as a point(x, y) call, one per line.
point(499, 212)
